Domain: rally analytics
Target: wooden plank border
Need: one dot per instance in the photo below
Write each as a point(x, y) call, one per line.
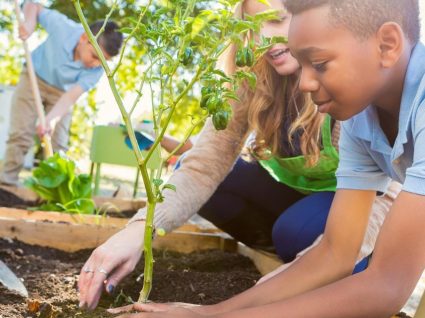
point(71, 233)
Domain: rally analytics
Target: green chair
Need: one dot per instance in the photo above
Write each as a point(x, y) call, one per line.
point(108, 146)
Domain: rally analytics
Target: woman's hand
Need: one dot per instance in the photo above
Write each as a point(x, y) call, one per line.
point(110, 263)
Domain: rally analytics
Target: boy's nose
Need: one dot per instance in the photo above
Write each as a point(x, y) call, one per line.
point(308, 83)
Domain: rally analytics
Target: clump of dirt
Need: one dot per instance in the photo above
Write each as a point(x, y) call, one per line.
point(10, 200)
point(51, 279)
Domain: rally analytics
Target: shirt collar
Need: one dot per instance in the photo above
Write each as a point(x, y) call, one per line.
point(414, 75)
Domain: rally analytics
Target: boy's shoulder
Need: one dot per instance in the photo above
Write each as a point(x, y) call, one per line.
point(54, 21)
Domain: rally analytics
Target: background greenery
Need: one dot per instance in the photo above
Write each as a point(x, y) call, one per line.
point(11, 58)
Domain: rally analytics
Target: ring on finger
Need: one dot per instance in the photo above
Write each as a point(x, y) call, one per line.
point(88, 270)
point(103, 271)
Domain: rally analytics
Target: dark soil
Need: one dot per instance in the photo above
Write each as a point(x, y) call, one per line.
point(9, 200)
point(51, 279)
point(122, 214)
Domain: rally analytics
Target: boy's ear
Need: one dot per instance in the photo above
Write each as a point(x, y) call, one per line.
point(390, 38)
point(84, 38)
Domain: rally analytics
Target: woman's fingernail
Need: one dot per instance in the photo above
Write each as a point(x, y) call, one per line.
point(111, 288)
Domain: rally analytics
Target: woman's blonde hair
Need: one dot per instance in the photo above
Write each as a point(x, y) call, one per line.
point(274, 97)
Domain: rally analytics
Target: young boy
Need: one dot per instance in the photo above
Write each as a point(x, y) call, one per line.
point(362, 62)
point(66, 66)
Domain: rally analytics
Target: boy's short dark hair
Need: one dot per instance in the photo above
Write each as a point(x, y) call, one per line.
point(111, 39)
point(364, 17)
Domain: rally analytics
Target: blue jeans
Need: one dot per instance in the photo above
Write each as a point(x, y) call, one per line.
point(263, 213)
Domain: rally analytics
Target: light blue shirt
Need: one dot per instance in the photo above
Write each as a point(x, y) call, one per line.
point(367, 161)
point(54, 58)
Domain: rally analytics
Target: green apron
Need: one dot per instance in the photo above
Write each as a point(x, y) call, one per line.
point(294, 173)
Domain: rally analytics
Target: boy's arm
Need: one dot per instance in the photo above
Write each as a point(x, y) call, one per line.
point(62, 106)
point(332, 259)
point(31, 11)
point(170, 143)
point(379, 291)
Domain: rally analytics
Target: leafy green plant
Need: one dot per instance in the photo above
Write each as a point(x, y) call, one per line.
point(56, 182)
point(182, 41)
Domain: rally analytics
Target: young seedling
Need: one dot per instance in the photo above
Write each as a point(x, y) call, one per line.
point(182, 40)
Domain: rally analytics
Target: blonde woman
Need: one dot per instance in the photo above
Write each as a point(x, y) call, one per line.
point(281, 201)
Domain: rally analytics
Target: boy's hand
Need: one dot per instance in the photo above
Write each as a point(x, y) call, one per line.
point(159, 310)
point(25, 30)
point(44, 130)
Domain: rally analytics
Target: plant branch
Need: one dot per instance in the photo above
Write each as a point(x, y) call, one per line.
point(108, 16)
point(139, 21)
point(173, 108)
point(186, 137)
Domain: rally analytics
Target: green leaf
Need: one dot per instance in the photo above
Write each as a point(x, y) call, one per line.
point(266, 15)
point(157, 182)
point(265, 2)
point(248, 76)
point(231, 95)
point(201, 21)
point(169, 186)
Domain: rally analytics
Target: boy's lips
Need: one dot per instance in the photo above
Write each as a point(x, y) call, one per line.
point(323, 106)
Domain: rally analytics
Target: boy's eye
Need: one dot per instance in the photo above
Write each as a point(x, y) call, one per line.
point(319, 67)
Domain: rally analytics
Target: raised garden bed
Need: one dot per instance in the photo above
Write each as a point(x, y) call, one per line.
point(60, 243)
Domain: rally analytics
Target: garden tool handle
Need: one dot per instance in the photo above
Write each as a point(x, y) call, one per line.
point(45, 140)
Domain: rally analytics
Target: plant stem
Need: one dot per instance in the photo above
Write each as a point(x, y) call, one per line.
point(140, 161)
point(148, 270)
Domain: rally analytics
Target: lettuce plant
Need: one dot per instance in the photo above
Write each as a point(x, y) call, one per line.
point(61, 189)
